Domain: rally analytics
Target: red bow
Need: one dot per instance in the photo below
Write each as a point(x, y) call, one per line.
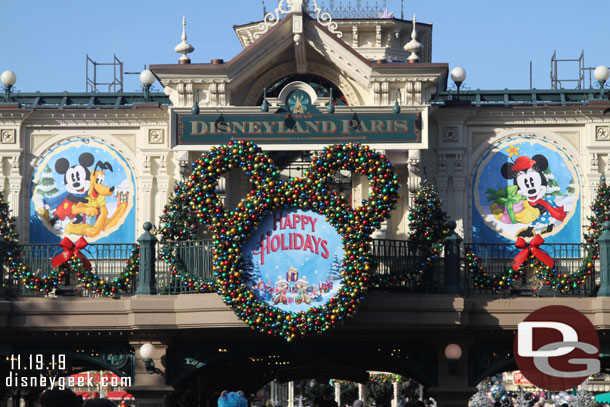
point(70, 250)
point(533, 248)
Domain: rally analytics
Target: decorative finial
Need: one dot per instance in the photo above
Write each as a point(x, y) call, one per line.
point(396, 108)
point(265, 104)
point(413, 46)
point(331, 105)
point(402, 10)
point(184, 47)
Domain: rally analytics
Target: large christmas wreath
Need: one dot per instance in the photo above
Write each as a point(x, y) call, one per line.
point(196, 202)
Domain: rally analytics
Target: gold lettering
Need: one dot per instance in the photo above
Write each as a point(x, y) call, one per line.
point(313, 126)
point(224, 127)
point(241, 126)
point(299, 128)
point(389, 126)
point(377, 126)
point(328, 126)
point(269, 126)
point(254, 128)
point(401, 125)
point(199, 128)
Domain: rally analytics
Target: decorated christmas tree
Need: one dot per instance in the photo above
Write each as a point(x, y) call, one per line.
point(427, 220)
point(176, 220)
point(480, 398)
point(583, 397)
point(8, 231)
point(600, 213)
point(46, 185)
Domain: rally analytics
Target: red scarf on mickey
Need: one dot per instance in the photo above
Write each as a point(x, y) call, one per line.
point(557, 213)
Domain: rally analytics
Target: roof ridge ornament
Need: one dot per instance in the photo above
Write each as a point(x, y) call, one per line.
point(413, 46)
point(184, 47)
point(296, 6)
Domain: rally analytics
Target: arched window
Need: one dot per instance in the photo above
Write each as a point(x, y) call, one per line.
point(320, 85)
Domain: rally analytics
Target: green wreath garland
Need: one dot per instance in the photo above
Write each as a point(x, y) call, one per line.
point(89, 280)
point(314, 192)
point(551, 277)
point(179, 271)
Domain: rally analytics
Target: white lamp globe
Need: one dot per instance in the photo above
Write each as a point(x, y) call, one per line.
point(147, 77)
point(458, 74)
point(601, 73)
point(147, 350)
point(453, 351)
point(8, 78)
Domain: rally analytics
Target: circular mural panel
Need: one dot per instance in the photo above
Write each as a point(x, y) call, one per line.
point(525, 187)
point(294, 260)
point(82, 188)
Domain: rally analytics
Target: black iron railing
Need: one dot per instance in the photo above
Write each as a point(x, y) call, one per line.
point(570, 259)
point(406, 266)
point(399, 266)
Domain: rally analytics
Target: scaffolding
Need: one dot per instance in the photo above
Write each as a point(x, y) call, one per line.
point(579, 80)
point(93, 83)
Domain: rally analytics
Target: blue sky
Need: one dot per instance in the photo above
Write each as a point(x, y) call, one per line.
point(45, 42)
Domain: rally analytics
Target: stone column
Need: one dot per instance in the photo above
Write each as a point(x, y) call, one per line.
point(150, 390)
point(338, 393)
point(395, 395)
point(274, 392)
point(144, 203)
point(362, 393)
point(290, 394)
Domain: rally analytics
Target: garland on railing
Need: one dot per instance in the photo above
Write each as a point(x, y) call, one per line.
point(90, 280)
point(179, 271)
point(550, 276)
point(177, 224)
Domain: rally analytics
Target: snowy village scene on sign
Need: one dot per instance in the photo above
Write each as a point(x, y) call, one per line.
point(525, 187)
point(294, 261)
point(82, 189)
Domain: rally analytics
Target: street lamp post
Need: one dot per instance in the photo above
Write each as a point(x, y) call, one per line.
point(601, 74)
point(8, 79)
point(458, 75)
point(147, 78)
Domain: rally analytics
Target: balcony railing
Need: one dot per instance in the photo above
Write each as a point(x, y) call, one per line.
point(496, 260)
point(399, 266)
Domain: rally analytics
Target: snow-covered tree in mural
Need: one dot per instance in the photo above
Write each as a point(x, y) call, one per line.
point(46, 186)
point(552, 186)
point(335, 268)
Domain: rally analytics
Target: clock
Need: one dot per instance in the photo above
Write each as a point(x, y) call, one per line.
point(298, 101)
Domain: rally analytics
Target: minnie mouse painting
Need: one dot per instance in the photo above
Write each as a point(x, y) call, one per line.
point(526, 186)
point(528, 174)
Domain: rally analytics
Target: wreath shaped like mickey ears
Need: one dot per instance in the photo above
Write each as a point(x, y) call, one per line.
point(197, 198)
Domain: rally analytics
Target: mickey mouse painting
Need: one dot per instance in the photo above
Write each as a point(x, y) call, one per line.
point(81, 188)
point(76, 184)
point(528, 175)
